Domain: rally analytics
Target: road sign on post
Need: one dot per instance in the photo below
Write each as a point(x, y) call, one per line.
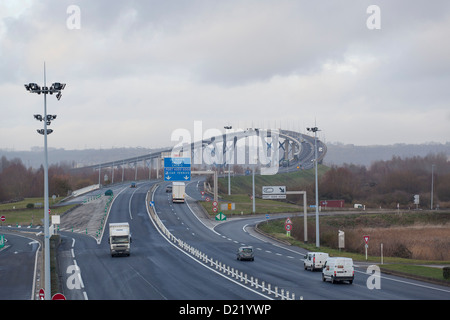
point(288, 228)
point(221, 217)
point(177, 169)
point(58, 296)
point(227, 206)
point(42, 294)
point(341, 239)
point(274, 192)
point(366, 240)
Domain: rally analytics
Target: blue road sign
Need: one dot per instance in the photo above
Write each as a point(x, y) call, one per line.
point(177, 169)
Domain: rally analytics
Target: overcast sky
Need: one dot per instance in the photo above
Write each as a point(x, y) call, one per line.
point(138, 70)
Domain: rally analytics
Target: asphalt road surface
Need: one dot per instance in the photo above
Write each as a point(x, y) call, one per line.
point(155, 270)
point(17, 266)
point(281, 265)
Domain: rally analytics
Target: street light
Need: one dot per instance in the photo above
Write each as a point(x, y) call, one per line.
point(55, 88)
point(225, 143)
point(432, 185)
point(315, 129)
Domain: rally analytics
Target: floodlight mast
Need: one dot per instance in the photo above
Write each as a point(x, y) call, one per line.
point(315, 129)
point(55, 88)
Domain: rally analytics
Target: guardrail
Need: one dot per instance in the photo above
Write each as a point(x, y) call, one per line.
point(100, 230)
point(235, 274)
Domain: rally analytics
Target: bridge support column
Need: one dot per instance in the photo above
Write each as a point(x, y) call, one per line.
point(286, 149)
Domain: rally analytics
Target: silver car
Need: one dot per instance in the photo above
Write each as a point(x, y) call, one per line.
point(245, 253)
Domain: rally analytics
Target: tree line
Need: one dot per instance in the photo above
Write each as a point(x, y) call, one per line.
point(383, 183)
point(392, 182)
point(18, 182)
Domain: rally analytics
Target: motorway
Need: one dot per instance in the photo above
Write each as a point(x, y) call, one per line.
point(278, 264)
point(155, 270)
point(158, 269)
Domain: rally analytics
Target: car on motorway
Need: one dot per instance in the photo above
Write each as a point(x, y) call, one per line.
point(338, 269)
point(315, 260)
point(133, 185)
point(169, 188)
point(245, 253)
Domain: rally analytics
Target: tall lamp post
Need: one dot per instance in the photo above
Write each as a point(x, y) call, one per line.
point(55, 88)
point(432, 185)
point(229, 160)
point(315, 129)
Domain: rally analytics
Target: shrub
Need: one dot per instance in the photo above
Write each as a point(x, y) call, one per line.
point(30, 205)
point(400, 250)
point(446, 272)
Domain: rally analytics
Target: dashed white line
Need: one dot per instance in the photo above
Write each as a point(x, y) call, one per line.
point(78, 270)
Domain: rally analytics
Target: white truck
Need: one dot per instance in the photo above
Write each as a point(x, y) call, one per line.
point(178, 191)
point(119, 238)
point(338, 269)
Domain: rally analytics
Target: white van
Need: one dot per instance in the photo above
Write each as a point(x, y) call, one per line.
point(338, 269)
point(315, 260)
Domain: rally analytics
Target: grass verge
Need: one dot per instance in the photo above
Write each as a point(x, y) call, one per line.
point(423, 272)
point(244, 206)
point(18, 214)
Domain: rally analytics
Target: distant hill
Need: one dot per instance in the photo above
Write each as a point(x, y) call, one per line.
point(337, 154)
point(73, 158)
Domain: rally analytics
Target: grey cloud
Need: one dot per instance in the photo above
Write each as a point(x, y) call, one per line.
point(136, 61)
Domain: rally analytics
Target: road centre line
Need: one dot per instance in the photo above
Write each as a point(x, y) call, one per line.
point(273, 243)
point(129, 203)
